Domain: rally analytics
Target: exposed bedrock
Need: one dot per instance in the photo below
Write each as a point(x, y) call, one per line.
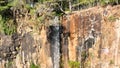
point(82, 39)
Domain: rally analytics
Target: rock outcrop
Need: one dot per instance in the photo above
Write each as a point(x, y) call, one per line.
point(82, 39)
point(93, 32)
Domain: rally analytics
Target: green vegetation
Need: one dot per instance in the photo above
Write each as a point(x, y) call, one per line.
point(49, 9)
point(1, 25)
point(9, 27)
point(106, 2)
point(111, 62)
point(32, 65)
point(74, 64)
point(9, 64)
point(7, 24)
point(87, 64)
point(13, 3)
point(91, 55)
point(84, 54)
point(112, 18)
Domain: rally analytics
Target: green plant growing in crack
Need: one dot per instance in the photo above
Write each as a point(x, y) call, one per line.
point(9, 64)
point(111, 62)
point(112, 18)
point(32, 65)
point(74, 64)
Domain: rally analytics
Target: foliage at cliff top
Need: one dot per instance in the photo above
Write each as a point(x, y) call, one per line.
point(49, 9)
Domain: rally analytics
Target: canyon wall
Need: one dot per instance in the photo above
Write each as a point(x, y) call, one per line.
point(82, 39)
point(95, 32)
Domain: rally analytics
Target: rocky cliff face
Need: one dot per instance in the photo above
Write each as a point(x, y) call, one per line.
point(83, 39)
point(95, 33)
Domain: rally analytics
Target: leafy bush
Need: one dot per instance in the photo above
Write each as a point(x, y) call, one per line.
point(112, 18)
point(1, 25)
point(9, 64)
point(9, 27)
point(7, 24)
point(32, 65)
point(111, 62)
point(74, 64)
point(13, 3)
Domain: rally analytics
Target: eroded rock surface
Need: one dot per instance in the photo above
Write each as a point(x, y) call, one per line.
point(89, 37)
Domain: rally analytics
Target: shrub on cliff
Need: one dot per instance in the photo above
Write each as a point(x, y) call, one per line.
point(74, 64)
point(7, 22)
point(32, 65)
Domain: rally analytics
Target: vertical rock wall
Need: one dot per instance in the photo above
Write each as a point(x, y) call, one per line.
point(87, 38)
point(93, 37)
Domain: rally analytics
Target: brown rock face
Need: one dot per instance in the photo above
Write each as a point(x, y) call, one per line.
point(79, 28)
point(44, 57)
point(84, 39)
point(92, 32)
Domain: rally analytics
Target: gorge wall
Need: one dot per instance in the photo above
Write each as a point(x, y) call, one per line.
point(92, 37)
point(82, 39)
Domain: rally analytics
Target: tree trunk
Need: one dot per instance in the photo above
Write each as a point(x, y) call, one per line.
point(70, 5)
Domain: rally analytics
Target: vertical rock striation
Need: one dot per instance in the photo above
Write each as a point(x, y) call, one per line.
point(83, 39)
